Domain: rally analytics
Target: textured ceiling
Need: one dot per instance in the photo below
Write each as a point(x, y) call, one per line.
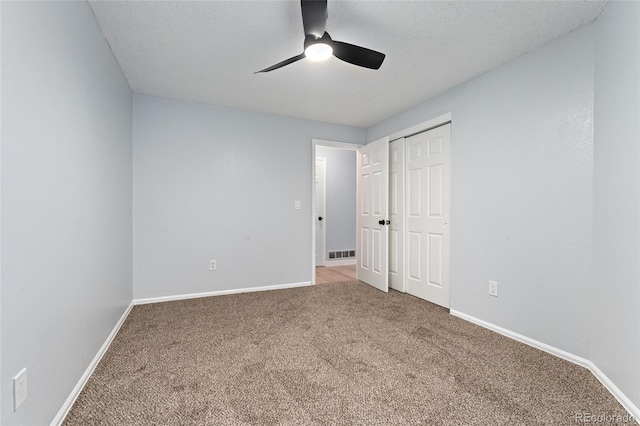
point(208, 51)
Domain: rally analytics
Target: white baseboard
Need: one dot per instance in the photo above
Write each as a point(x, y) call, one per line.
point(339, 262)
point(611, 387)
point(616, 392)
point(64, 410)
point(524, 339)
point(146, 300)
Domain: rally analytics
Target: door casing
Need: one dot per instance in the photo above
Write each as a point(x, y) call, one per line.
point(320, 210)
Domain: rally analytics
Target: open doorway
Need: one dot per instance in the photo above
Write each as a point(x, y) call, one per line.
point(334, 212)
point(335, 274)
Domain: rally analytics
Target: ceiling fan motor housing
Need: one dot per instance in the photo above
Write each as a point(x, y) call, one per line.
point(310, 40)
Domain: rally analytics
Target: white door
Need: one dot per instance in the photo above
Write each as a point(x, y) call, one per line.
point(372, 217)
point(320, 212)
point(428, 214)
point(396, 215)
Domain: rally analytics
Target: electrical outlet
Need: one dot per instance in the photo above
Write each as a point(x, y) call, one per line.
point(212, 265)
point(19, 388)
point(493, 288)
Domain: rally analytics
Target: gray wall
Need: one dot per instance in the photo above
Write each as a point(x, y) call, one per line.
point(341, 198)
point(522, 158)
point(66, 200)
point(217, 183)
point(615, 345)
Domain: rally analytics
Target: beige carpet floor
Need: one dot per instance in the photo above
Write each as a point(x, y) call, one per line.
point(338, 354)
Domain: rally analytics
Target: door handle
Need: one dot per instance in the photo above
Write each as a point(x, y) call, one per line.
point(319, 217)
point(384, 222)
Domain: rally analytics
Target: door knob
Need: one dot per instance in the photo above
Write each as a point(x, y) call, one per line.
point(319, 217)
point(384, 222)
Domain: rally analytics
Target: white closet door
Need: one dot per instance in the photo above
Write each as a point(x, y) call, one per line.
point(373, 210)
point(428, 212)
point(396, 214)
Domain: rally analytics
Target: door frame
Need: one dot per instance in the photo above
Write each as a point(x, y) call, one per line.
point(438, 121)
point(331, 144)
point(322, 213)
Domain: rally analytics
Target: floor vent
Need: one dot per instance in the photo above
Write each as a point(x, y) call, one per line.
point(342, 254)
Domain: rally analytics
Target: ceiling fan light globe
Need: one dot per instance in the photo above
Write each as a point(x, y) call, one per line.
point(318, 52)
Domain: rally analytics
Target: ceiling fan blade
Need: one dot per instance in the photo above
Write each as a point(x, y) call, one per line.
point(357, 55)
point(282, 64)
point(314, 17)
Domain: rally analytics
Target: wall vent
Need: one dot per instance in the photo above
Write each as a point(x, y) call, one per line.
point(342, 254)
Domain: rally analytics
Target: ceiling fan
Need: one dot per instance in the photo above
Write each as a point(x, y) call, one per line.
point(318, 45)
